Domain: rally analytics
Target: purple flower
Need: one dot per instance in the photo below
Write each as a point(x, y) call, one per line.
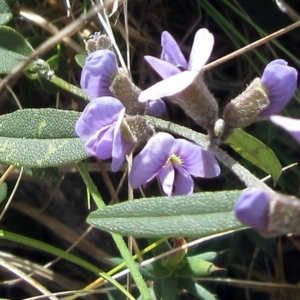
point(252, 209)
point(97, 73)
point(173, 161)
point(280, 82)
point(292, 126)
point(96, 80)
point(177, 73)
point(101, 125)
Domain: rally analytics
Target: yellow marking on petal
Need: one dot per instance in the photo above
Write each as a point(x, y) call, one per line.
point(176, 159)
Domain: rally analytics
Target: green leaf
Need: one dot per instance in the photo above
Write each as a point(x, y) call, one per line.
point(196, 289)
point(5, 13)
point(46, 123)
point(40, 138)
point(3, 191)
point(13, 49)
point(194, 215)
point(80, 59)
point(256, 152)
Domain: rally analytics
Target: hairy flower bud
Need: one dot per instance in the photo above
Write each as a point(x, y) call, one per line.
point(270, 213)
point(97, 41)
point(263, 97)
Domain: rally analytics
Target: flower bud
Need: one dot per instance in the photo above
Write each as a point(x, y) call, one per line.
point(263, 97)
point(196, 267)
point(280, 82)
point(270, 213)
point(96, 42)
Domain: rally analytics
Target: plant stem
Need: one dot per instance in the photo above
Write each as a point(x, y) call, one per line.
point(73, 89)
point(132, 266)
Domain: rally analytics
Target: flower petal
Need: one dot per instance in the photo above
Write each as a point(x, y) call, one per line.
point(99, 113)
point(252, 209)
point(163, 68)
point(120, 147)
point(292, 126)
point(166, 177)
point(100, 145)
point(169, 86)
point(201, 50)
point(183, 183)
point(280, 81)
point(155, 108)
point(171, 51)
point(197, 161)
point(148, 163)
point(97, 73)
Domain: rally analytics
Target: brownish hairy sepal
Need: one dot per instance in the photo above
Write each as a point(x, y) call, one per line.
point(127, 92)
point(97, 42)
point(140, 128)
point(245, 108)
point(198, 103)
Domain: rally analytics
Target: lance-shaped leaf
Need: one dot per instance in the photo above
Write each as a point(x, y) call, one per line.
point(256, 152)
point(194, 215)
point(40, 138)
point(13, 49)
point(5, 13)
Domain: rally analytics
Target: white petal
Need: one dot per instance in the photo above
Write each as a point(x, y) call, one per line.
point(201, 50)
point(169, 86)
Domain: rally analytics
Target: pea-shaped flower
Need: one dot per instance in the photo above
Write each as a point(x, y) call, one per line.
point(106, 134)
point(173, 161)
point(101, 77)
point(183, 80)
point(280, 82)
point(177, 73)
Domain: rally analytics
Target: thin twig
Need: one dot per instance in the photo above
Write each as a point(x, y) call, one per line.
point(251, 46)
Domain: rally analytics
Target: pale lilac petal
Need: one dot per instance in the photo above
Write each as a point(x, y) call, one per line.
point(166, 177)
point(184, 183)
point(195, 160)
point(120, 147)
point(97, 72)
point(101, 144)
point(148, 163)
point(163, 68)
point(171, 51)
point(201, 50)
point(280, 81)
point(252, 209)
point(292, 126)
point(99, 113)
point(169, 86)
point(155, 108)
